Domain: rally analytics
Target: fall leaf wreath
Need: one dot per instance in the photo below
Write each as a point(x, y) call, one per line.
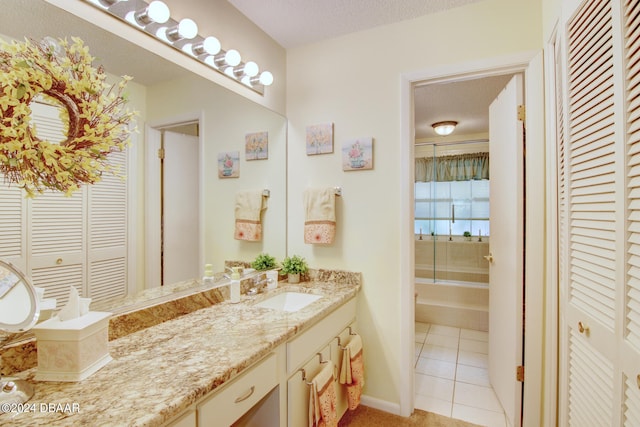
point(93, 111)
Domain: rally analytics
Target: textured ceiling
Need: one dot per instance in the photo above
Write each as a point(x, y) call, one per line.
point(466, 101)
point(294, 23)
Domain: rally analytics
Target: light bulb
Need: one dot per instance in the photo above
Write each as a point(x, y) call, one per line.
point(266, 78)
point(157, 12)
point(209, 46)
point(186, 29)
point(232, 57)
point(251, 69)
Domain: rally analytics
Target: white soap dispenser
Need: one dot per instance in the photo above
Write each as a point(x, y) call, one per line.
point(234, 286)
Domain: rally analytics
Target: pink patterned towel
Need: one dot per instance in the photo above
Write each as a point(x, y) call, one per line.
point(249, 207)
point(352, 371)
point(320, 219)
point(322, 399)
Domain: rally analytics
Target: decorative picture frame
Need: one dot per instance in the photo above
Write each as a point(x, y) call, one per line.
point(357, 154)
point(229, 164)
point(319, 139)
point(256, 146)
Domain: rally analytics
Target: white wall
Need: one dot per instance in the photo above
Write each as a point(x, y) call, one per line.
point(354, 81)
point(227, 118)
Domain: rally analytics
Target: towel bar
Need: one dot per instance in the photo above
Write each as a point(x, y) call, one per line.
point(350, 333)
point(304, 376)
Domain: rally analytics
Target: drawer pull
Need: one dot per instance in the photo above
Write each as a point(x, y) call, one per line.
point(246, 395)
point(59, 261)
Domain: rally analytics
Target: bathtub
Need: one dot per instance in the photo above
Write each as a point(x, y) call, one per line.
point(459, 304)
point(452, 282)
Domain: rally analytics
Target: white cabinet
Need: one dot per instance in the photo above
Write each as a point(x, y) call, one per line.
point(305, 354)
point(274, 392)
point(227, 405)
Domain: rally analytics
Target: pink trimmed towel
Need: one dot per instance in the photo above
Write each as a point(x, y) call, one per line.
point(320, 219)
point(352, 371)
point(322, 398)
point(249, 207)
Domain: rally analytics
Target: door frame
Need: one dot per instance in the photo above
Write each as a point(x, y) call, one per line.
point(536, 242)
point(152, 195)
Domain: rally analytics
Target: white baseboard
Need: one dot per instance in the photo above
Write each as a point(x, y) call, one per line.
point(382, 405)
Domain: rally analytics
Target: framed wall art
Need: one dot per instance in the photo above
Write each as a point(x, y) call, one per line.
point(256, 146)
point(229, 164)
point(357, 154)
point(319, 139)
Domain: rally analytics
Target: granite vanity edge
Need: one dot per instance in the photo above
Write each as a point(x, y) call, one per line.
point(167, 407)
point(22, 355)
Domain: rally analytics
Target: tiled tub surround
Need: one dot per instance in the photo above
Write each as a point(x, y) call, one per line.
point(458, 260)
point(160, 371)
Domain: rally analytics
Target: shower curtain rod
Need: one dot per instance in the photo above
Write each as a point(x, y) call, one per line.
point(471, 141)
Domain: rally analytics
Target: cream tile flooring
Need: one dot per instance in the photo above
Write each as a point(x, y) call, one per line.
point(452, 377)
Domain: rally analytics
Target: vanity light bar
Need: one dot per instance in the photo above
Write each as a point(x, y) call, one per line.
point(155, 19)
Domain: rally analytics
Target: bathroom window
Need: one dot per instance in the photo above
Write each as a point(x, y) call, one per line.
point(452, 207)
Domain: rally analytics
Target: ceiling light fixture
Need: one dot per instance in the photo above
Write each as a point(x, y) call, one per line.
point(444, 128)
point(249, 69)
point(208, 46)
point(156, 11)
point(186, 29)
point(155, 19)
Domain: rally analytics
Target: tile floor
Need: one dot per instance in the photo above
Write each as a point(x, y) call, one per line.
point(452, 376)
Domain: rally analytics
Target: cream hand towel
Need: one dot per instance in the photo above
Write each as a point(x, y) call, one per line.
point(323, 398)
point(320, 220)
point(249, 207)
point(352, 371)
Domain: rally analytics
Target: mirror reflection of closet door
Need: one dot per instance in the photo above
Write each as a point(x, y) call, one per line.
point(180, 208)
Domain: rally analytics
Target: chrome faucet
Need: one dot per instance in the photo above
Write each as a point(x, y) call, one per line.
point(259, 283)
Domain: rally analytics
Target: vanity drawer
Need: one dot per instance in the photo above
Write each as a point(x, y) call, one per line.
point(236, 398)
point(301, 348)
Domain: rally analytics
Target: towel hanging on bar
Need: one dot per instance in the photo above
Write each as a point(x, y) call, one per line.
point(249, 207)
point(322, 398)
point(320, 219)
point(352, 370)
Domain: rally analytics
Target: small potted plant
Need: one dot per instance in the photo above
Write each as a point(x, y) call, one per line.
point(264, 262)
point(294, 266)
point(467, 235)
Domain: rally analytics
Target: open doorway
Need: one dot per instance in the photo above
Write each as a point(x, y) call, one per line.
point(174, 247)
point(452, 267)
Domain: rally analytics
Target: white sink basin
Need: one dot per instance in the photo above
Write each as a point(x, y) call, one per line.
point(289, 301)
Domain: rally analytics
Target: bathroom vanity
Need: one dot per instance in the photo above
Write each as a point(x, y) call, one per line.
point(228, 363)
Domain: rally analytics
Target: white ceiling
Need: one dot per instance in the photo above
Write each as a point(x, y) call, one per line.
point(294, 23)
point(298, 20)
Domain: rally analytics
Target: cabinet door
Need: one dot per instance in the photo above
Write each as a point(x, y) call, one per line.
point(298, 390)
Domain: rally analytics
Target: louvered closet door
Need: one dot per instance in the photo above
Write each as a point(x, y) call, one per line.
point(12, 225)
point(589, 308)
point(600, 319)
point(57, 249)
point(631, 330)
point(107, 267)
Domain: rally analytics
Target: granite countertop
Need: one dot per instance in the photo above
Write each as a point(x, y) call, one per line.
point(160, 371)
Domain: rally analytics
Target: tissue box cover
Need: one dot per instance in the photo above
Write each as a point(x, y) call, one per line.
point(74, 349)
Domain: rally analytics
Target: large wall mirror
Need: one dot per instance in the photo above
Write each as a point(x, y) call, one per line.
point(108, 242)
